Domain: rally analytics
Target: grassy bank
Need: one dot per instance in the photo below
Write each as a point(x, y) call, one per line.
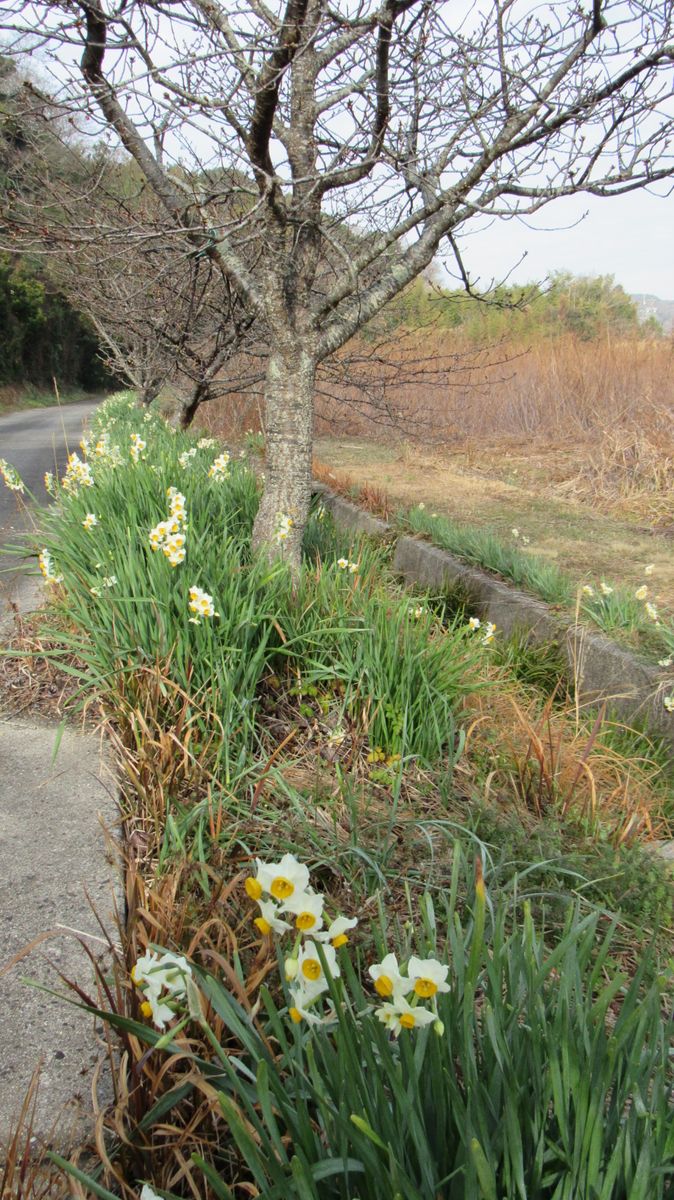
point(17, 398)
point(437, 803)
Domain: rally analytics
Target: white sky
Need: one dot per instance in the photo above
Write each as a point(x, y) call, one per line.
point(630, 237)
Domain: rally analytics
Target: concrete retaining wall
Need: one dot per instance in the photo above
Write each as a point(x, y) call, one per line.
point(602, 670)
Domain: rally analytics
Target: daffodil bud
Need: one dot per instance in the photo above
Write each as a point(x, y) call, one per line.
point(291, 968)
point(439, 1027)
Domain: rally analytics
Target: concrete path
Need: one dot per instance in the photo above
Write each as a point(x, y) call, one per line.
point(52, 847)
point(34, 441)
point(52, 856)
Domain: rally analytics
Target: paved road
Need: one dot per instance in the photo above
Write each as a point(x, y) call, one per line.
point(33, 441)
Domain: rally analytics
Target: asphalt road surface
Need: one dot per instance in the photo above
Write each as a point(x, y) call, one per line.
point(34, 441)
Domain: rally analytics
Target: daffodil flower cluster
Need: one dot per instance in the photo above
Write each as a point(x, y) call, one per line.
point(281, 890)
point(78, 474)
point(219, 468)
point(103, 449)
point(345, 565)
point(186, 457)
point(488, 632)
point(11, 476)
point(424, 979)
point(283, 526)
point(202, 605)
point(162, 978)
point(90, 521)
point(205, 443)
point(668, 702)
point(47, 567)
point(50, 483)
point(169, 536)
point(417, 612)
point(137, 447)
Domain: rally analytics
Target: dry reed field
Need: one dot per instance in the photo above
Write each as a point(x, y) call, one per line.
point(570, 442)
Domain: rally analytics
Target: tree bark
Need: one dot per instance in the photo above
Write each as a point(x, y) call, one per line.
point(289, 405)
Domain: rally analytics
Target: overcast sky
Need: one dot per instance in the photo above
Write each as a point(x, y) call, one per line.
point(630, 237)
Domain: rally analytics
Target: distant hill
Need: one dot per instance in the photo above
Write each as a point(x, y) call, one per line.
point(653, 306)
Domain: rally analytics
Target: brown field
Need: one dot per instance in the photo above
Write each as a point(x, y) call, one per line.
point(570, 442)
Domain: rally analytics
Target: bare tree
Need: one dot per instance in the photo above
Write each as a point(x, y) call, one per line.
point(362, 137)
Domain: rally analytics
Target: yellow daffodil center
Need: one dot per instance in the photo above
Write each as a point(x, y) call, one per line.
point(295, 1015)
point(384, 986)
point(407, 1020)
point(425, 988)
point(340, 940)
point(146, 1008)
point(253, 888)
point(311, 968)
point(281, 888)
point(263, 926)
point(305, 920)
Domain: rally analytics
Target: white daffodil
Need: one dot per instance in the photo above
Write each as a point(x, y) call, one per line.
point(307, 909)
point(474, 623)
point(587, 590)
point(269, 920)
point(302, 997)
point(427, 976)
point(11, 476)
point(387, 978)
point(90, 521)
point(649, 569)
point(641, 592)
point(665, 662)
point(147, 1193)
point(342, 563)
point(336, 933)
point(282, 879)
point(398, 1015)
point(162, 972)
point(488, 633)
point(668, 702)
point(162, 977)
point(605, 589)
point(311, 972)
point(652, 611)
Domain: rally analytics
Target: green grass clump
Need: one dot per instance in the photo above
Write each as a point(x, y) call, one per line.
point(481, 548)
point(531, 1074)
point(614, 610)
point(401, 676)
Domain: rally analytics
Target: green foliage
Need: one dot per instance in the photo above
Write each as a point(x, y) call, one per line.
point(555, 1084)
point(548, 1078)
point(482, 548)
point(401, 678)
point(587, 307)
point(42, 336)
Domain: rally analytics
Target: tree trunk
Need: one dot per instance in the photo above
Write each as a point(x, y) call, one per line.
point(188, 409)
point(289, 413)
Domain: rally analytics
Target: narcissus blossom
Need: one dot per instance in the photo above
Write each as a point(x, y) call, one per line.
point(387, 978)
point(427, 976)
point(399, 1014)
point(336, 933)
point(281, 879)
point(162, 978)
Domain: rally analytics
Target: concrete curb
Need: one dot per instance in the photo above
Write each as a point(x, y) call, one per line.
point(603, 671)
